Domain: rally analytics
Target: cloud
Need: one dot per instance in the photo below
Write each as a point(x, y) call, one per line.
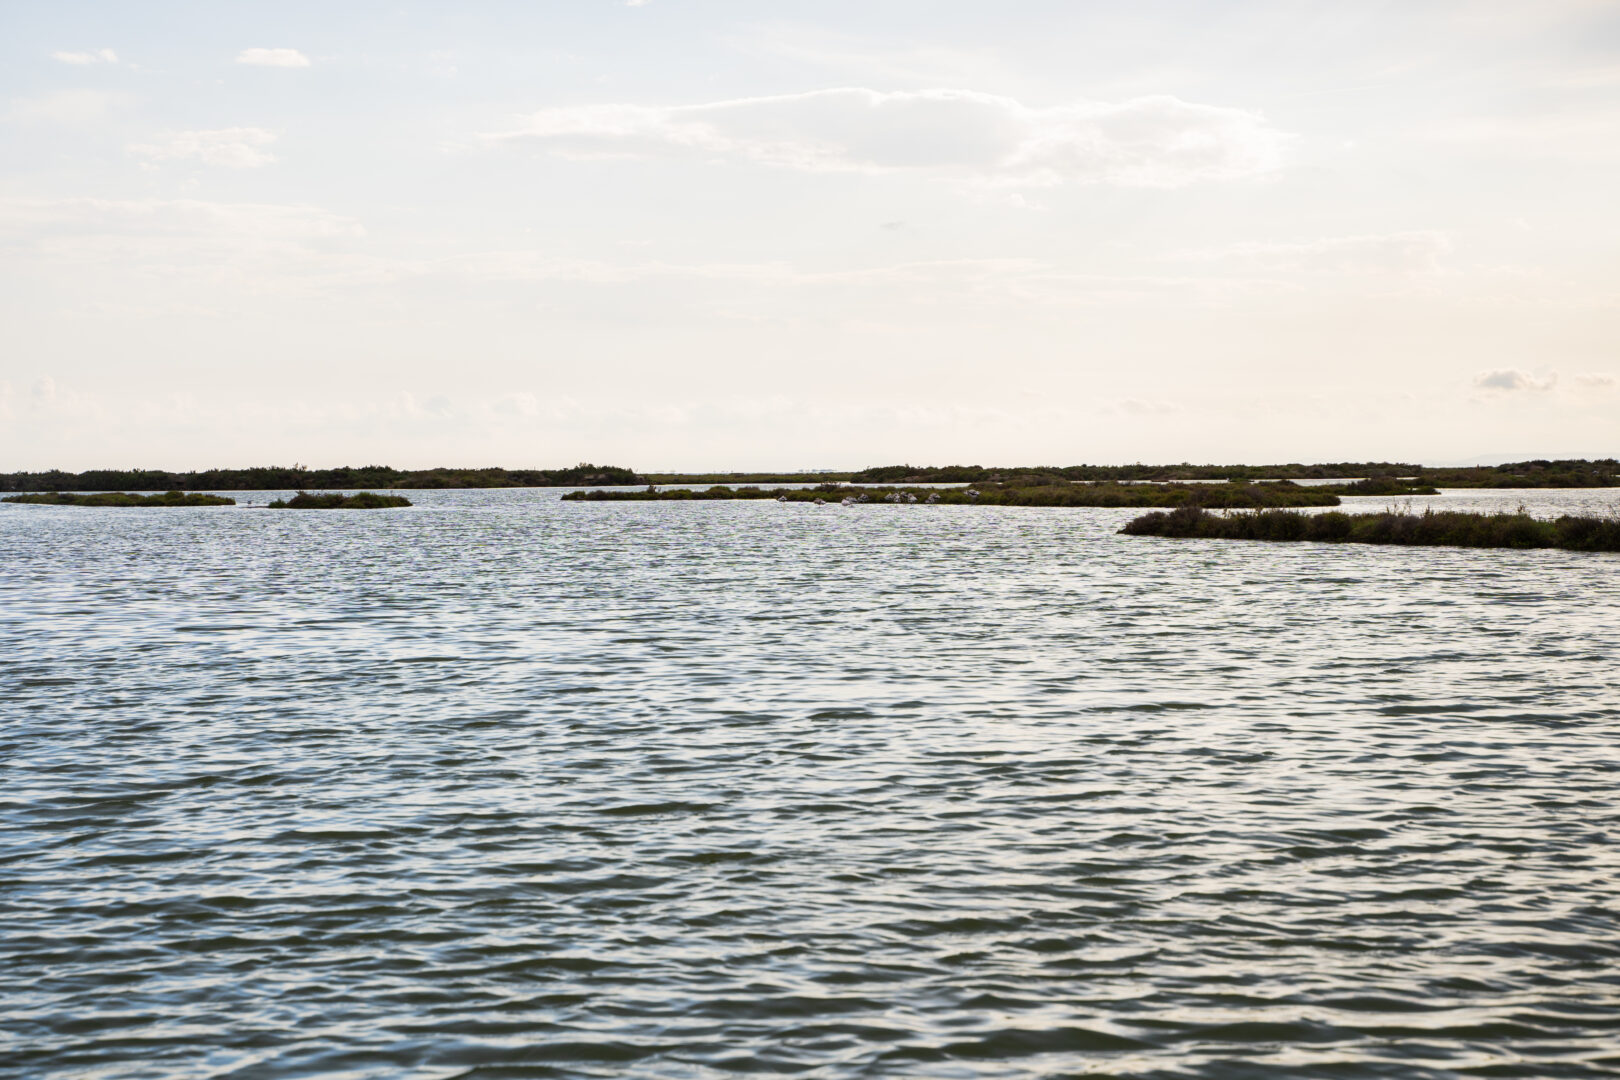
point(1418, 252)
point(1147, 142)
point(94, 56)
point(1511, 380)
point(65, 107)
point(1597, 380)
point(1141, 407)
point(233, 148)
point(913, 64)
point(287, 58)
point(171, 236)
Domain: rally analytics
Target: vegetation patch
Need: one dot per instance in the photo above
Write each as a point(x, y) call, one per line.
point(123, 498)
point(1448, 528)
point(1047, 493)
point(336, 500)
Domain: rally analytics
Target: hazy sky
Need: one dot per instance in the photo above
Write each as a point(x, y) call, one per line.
point(679, 234)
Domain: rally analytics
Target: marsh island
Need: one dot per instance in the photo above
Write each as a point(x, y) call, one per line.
point(1432, 528)
point(121, 498)
point(336, 500)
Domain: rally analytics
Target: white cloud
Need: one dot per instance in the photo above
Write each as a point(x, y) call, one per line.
point(1156, 141)
point(234, 148)
point(287, 58)
point(1597, 380)
point(1417, 252)
point(65, 107)
point(93, 56)
point(181, 236)
point(914, 63)
point(1511, 380)
point(1141, 407)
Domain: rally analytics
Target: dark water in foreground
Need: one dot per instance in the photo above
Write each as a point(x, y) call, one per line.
point(505, 787)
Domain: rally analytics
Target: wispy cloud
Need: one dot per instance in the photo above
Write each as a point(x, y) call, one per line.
point(1512, 380)
point(230, 148)
point(66, 107)
point(855, 58)
point(91, 56)
point(181, 235)
point(234, 148)
point(1156, 141)
point(286, 58)
point(1416, 252)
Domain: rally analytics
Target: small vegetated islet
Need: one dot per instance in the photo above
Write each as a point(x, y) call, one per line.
point(122, 498)
point(1437, 528)
point(1050, 493)
point(336, 500)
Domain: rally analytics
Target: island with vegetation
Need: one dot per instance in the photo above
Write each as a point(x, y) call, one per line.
point(1432, 528)
point(1042, 492)
point(336, 500)
point(122, 498)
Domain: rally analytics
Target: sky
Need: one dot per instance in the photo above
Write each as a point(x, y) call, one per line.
point(677, 234)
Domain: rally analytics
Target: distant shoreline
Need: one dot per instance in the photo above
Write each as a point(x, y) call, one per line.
point(1538, 473)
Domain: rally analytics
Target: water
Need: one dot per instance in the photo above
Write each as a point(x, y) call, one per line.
point(505, 787)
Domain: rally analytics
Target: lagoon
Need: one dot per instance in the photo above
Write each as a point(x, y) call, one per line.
point(500, 785)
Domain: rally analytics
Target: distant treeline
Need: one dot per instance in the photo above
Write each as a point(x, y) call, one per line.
point(276, 478)
point(1519, 474)
point(1432, 528)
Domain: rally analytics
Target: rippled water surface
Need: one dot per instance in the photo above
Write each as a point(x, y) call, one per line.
point(500, 786)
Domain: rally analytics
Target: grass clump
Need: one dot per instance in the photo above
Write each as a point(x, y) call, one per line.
point(336, 500)
point(1432, 528)
point(123, 498)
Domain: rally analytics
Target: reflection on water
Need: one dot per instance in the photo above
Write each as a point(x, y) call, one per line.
point(502, 786)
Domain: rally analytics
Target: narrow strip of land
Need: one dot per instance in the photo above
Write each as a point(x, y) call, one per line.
point(1059, 493)
point(123, 498)
point(1432, 528)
